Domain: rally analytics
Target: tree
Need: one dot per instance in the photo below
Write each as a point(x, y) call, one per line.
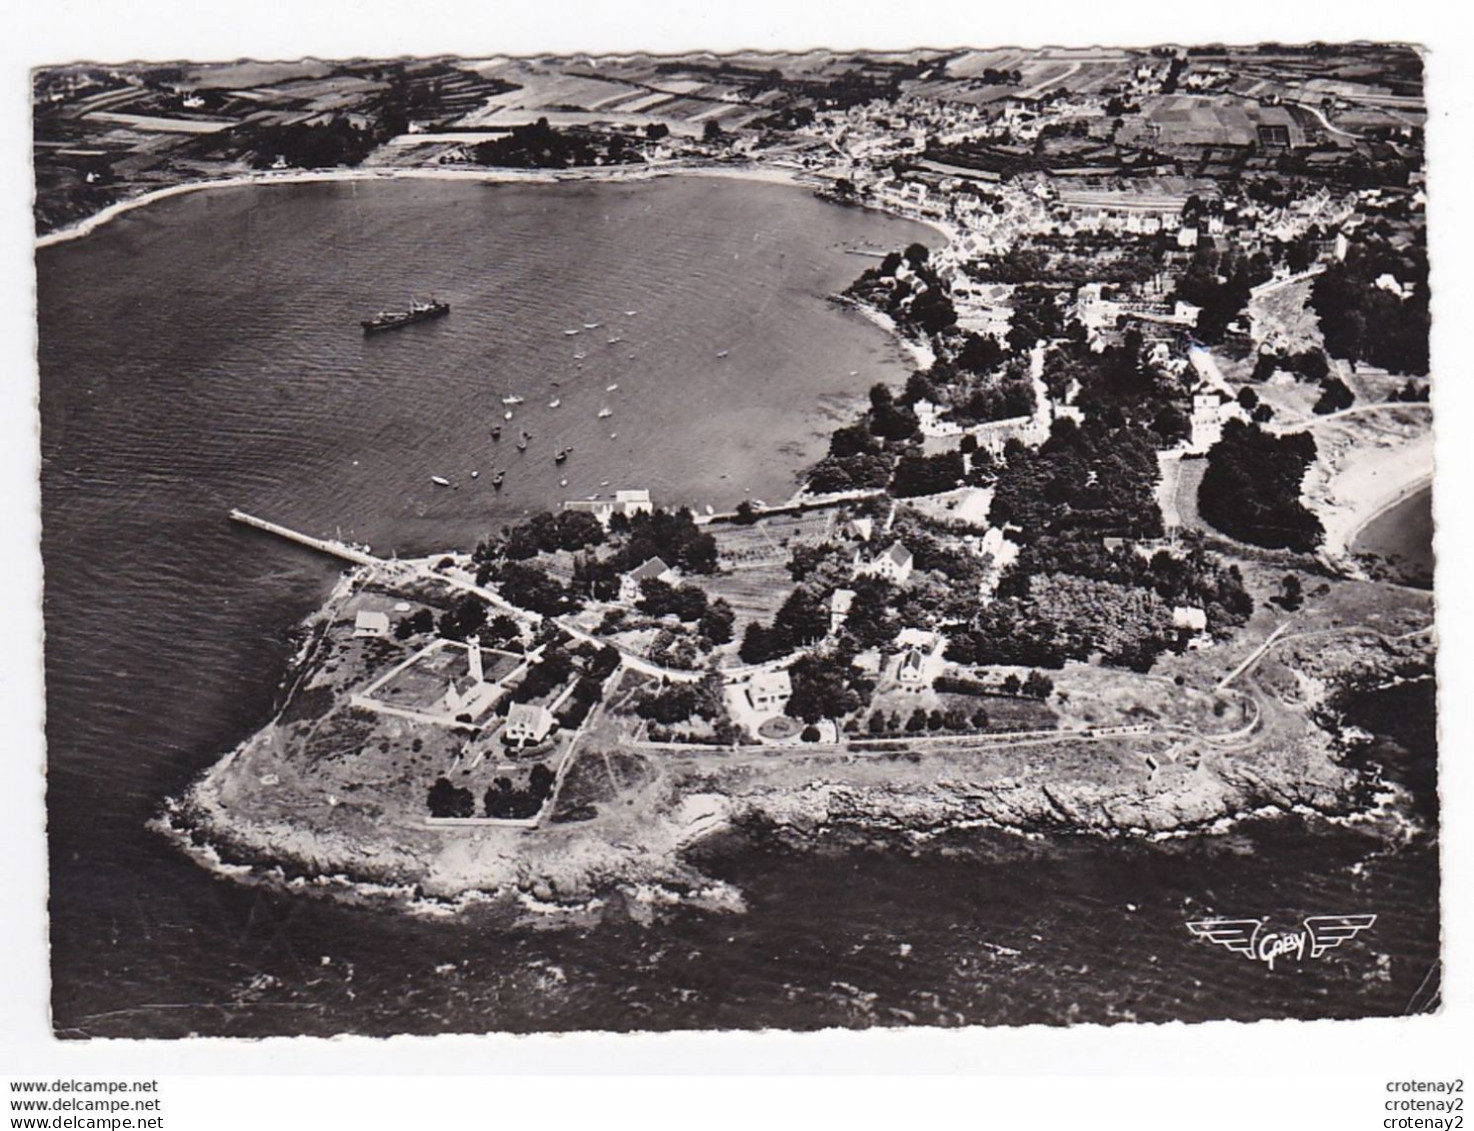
point(1012, 685)
point(810, 733)
point(821, 690)
point(1291, 592)
point(802, 617)
point(979, 719)
point(917, 722)
point(717, 621)
point(1038, 685)
point(447, 800)
point(1335, 396)
point(421, 622)
point(1251, 488)
point(712, 131)
point(1248, 399)
point(464, 618)
point(876, 725)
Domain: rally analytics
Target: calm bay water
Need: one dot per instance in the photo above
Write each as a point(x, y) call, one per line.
point(1403, 534)
point(204, 353)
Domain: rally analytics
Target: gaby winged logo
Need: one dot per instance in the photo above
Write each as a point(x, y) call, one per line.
point(1248, 937)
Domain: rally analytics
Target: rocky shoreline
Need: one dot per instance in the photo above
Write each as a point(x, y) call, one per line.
point(641, 858)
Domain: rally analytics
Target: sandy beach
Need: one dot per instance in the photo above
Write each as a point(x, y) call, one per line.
point(1357, 481)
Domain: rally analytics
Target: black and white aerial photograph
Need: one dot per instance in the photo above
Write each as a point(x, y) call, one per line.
point(736, 540)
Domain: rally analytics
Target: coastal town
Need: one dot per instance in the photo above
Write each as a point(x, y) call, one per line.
point(1096, 566)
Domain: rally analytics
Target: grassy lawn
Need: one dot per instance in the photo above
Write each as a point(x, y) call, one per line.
point(753, 592)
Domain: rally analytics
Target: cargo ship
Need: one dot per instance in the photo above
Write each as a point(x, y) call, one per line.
point(394, 319)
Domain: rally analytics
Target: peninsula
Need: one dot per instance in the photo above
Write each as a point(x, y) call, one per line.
point(1093, 569)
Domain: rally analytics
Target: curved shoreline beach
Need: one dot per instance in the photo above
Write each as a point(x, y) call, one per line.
point(763, 173)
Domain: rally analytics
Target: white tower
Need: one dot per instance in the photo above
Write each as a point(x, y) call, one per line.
point(473, 659)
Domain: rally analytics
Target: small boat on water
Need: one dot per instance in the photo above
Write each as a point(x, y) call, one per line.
point(580, 355)
point(602, 483)
point(562, 455)
point(496, 431)
point(611, 388)
point(394, 319)
point(475, 475)
point(522, 444)
point(563, 482)
point(554, 403)
point(614, 435)
point(605, 411)
point(507, 415)
point(592, 325)
point(614, 341)
point(512, 400)
point(710, 509)
point(496, 480)
point(570, 333)
point(630, 313)
point(440, 481)
point(721, 353)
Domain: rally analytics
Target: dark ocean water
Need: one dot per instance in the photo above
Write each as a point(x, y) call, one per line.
point(1403, 534)
point(204, 353)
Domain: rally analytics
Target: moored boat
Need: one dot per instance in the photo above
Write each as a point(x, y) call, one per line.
point(417, 312)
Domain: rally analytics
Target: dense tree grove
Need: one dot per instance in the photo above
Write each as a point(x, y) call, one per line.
point(541, 146)
point(301, 146)
point(825, 687)
point(1364, 321)
point(1085, 480)
point(1251, 488)
point(505, 801)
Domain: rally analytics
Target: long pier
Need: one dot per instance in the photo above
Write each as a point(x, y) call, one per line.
point(322, 545)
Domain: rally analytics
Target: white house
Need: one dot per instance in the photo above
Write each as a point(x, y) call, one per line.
point(527, 723)
point(894, 565)
point(913, 663)
point(839, 607)
point(371, 624)
point(770, 690)
point(1189, 617)
point(629, 584)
